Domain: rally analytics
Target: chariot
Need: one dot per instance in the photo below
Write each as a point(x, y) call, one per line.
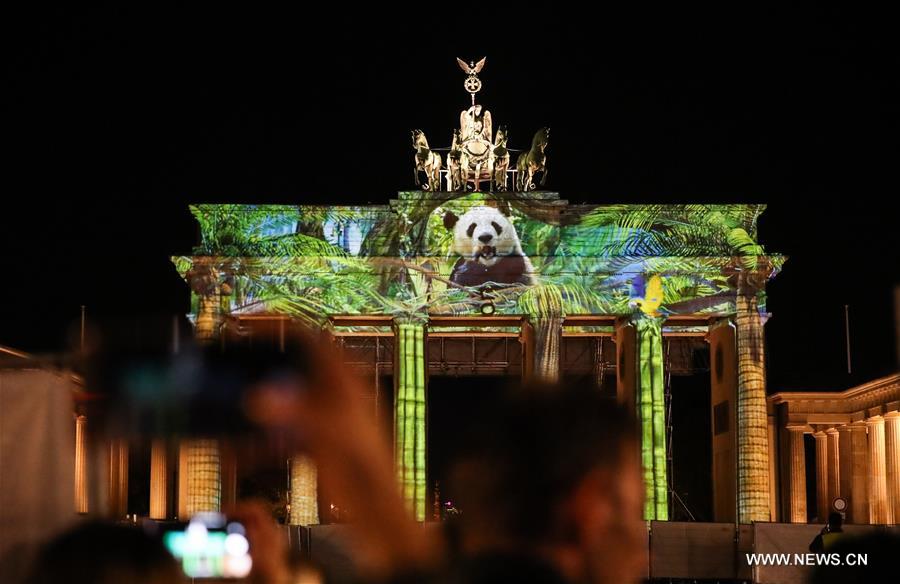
point(476, 155)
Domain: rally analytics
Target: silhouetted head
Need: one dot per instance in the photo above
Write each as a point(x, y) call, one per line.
point(555, 472)
point(105, 553)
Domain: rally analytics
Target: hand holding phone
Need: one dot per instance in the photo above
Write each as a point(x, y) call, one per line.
point(211, 546)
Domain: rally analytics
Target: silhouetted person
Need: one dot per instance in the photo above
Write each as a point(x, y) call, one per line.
point(105, 553)
point(830, 534)
point(551, 491)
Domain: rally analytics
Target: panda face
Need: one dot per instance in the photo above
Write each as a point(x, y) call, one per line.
point(483, 234)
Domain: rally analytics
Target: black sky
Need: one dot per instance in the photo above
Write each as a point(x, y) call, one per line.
point(119, 118)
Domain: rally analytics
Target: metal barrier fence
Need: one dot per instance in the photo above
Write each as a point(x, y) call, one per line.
point(676, 551)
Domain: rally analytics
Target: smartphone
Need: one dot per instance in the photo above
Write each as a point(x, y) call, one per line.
point(200, 391)
point(210, 546)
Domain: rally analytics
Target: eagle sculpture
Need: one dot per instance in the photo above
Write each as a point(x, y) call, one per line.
point(471, 68)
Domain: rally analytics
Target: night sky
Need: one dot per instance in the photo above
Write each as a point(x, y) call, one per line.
point(118, 119)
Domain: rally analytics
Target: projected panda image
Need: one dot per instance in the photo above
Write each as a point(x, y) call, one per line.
point(489, 249)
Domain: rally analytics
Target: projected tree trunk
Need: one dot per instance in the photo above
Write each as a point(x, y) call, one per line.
point(203, 278)
point(544, 305)
point(753, 454)
point(208, 316)
point(547, 333)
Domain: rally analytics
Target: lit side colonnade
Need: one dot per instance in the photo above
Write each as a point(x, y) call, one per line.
point(857, 451)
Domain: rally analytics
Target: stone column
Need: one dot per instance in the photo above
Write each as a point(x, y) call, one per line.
point(878, 498)
point(821, 476)
point(159, 479)
point(118, 478)
point(859, 469)
point(797, 484)
point(773, 469)
point(723, 411)
point(626, 373)
point(892, 456)
point(229, 470)
point(834, 466)
point(304, 502)
point(81, 492)
point(845, 471)
point(181, 491)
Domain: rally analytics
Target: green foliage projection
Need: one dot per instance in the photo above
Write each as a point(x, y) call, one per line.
point(311, 261)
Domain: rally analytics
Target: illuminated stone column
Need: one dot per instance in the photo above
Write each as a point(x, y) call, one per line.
point(304, 500)
point(410, 404)
point(228, 476)
point(159, 479)
point(200, 477)
point(118, 478)
point(773, 469)
point(834, 465)
point(859, 474)
point(878, 497)
point(181, 512)
point(723, 409)
point(626, 374)
point(821, 476)
point(797, 484)
point(845, 471)
point(892, 460)
point(81, 491)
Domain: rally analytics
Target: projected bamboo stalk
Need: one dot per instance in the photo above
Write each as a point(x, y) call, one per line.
point(660, 478)
point(645, 412)
point(652, 414)
point(753, 454)
point(420, 469)
point(410, 415)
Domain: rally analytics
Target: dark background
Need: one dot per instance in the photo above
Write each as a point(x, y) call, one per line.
point(118, 119)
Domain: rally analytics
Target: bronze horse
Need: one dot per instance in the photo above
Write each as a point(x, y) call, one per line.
point(426, 161)
point(535, 160)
